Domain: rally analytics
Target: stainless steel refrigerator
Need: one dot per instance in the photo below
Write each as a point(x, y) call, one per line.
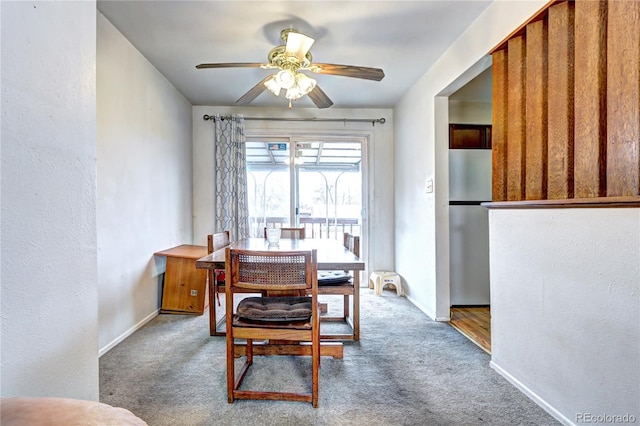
point(469, 185)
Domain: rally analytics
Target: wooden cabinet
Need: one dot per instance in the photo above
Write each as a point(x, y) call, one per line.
point(185, 287)
point(470, 136)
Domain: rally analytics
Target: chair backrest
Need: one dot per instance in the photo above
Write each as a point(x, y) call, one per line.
point(352, 243)
point(293, 233)
point(272, 271)
point(217, 241)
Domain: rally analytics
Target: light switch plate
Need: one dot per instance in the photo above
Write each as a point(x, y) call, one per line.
point(428, 186)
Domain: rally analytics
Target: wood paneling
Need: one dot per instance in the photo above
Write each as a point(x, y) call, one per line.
point(516, 116)
point(536, 111)
point(623, 98)
point(499, 120)
point(590, 98)
point(571, 128)
point(560, 102)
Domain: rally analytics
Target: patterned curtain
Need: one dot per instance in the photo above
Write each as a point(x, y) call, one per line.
point(232, 205)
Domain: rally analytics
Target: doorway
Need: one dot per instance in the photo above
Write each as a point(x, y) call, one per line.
point(470, 185)
point(315, 183)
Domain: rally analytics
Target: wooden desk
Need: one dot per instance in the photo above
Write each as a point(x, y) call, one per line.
point(332, 255)
point(184, 290)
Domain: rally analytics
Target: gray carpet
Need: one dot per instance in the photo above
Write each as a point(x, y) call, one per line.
point(406, 370)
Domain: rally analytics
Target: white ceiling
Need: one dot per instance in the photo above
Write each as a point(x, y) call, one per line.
point(404, 38)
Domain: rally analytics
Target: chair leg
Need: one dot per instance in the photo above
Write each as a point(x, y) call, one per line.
point(212, 303)
point(249, 351)
point(346, 307)
point(230, 368)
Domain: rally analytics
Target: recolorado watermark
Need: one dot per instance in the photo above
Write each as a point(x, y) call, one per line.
point(605, 418)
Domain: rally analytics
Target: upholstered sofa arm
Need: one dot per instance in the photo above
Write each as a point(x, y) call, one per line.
point(63, 412)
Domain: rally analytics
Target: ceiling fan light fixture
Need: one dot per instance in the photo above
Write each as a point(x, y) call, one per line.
point(285, 78)
point(303, 86)
point(273, 85)
point(305, 83)
point(294, 93)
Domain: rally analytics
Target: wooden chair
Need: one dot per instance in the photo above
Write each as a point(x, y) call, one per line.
point(293, 233)
point(286, 314)
point(345, 288)
point(216, 279)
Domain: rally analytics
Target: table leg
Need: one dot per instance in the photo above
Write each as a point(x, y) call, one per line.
point(356, 306)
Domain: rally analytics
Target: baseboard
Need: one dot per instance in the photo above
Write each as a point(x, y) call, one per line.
point(532, 395)
point(426, 311)
point(128, 333)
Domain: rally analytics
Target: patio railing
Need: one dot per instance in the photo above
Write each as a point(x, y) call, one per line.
point(314, 227)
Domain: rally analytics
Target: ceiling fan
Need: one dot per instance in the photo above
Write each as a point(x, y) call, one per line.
point(290, 59)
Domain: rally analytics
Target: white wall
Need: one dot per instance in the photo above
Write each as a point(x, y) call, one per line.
point(378, 247)
point(422, 220)
point(565, 312)
point(469, 112)
point(144, 182)
point(48, 174)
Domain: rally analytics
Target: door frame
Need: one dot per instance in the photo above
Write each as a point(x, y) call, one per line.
point(364, 138)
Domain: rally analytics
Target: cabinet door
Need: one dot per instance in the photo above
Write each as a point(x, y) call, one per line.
point(470, 136)
point(184, 286)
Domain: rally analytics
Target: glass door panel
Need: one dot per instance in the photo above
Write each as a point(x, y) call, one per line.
point(269, 184)
point(329, 187)
point(317, 185)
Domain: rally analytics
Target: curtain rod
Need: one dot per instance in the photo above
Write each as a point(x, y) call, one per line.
point(373, 121)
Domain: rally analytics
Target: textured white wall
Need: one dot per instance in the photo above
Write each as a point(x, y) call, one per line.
point(421, 141)
point(466, 112)
point(378, 246)
point(144, 182)
point(565, 307)
point(49, 277)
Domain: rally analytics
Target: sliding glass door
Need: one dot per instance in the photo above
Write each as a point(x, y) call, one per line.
point(313, 183)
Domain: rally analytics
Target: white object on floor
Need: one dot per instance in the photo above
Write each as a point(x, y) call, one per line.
point(381, 278)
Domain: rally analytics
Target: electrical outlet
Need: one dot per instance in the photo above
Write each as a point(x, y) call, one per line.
point(194, 292)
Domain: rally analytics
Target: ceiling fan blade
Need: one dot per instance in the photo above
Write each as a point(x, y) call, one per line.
point(253, 92)
point(231, 65)
point(348, 71)
point(298, 45)
point(320, 98)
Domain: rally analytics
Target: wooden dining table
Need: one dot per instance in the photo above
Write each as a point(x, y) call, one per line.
point(331, 256)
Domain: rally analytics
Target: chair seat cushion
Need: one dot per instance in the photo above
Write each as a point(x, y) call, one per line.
point(333, 277)
point(275, 308)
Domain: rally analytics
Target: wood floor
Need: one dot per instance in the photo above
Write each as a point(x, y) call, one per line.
point(475, 323)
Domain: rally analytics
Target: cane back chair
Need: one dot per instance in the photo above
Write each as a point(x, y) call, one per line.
point(287, 314)
point(293, 233)
point(342, 284)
